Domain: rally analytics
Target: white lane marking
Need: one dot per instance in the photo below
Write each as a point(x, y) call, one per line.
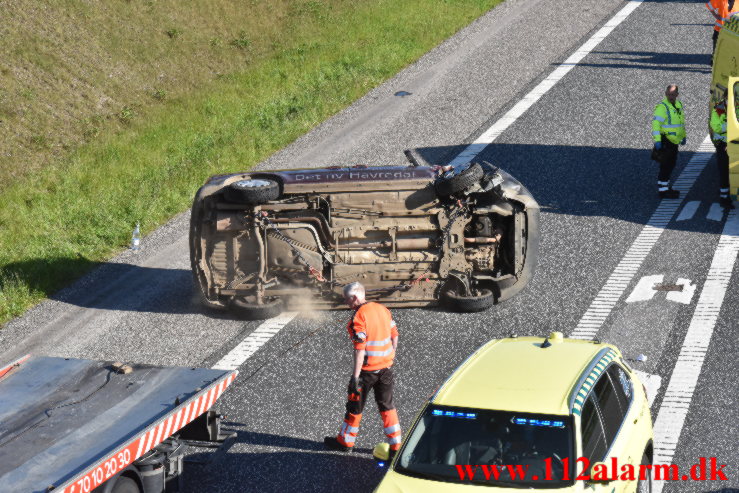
point(686, 295)
point(625, 271)
point(243, 351)
point(651, 382)
point(543, 87)
point(684, 378)
point(688, 211)
point(715, 213)
point(644, 289)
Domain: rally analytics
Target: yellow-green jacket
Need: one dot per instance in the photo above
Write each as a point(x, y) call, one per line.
point(718, 125)
point(668, 120)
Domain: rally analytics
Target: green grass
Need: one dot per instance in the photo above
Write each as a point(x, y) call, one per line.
point(81, 208)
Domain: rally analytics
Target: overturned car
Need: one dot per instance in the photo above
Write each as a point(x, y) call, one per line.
point(261, 242)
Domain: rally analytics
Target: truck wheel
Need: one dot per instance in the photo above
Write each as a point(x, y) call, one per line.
point(457, 183)
point(124, 484)
point(253, 191)
point(645, 485)
point(480, 300)
point(257, 311)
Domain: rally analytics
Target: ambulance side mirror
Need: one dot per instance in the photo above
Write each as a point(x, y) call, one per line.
point(381, 452)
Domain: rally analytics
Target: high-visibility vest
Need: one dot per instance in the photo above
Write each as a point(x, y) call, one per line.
point(718, 125)
point(668, 120)
point(372, 328)
point(721, 8)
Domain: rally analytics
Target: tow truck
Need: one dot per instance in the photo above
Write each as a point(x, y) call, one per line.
point(725, 85)
point(81, 426)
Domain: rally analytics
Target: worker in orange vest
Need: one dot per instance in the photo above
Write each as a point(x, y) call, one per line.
point(722, 10)
point(375, 337)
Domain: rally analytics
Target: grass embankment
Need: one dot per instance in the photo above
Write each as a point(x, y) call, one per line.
point(300, 63)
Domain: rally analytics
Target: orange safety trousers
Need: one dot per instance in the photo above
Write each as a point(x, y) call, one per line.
point(382, 383)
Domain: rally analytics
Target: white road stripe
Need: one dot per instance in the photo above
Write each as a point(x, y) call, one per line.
point(688, 211)
point(644, 289)
point(642, 246)
point(715, 213)
point(492, 133)
point(679, 393)
point(243, 351)
point(686, 295)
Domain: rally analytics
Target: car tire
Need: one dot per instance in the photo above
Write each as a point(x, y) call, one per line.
point(481, 300)
point(257, 311)
point(252, 191)
point(458, 183)
point(124, 484)
point(645, 485)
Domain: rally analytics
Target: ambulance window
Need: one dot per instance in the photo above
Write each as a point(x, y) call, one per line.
point(593, 438)
point(736, 101)
point(622, 383)
point(611, 409)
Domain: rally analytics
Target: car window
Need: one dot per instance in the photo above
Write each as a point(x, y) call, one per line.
point(622, 384)
point(594, 445)
point(610, 408)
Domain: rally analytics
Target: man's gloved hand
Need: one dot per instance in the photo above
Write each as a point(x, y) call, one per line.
point(353, 387)
point(658, 145)
point(684, 141)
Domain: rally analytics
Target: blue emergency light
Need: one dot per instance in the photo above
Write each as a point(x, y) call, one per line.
point(453, 414)
point(539, 422)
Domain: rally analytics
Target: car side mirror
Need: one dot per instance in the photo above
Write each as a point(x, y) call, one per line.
point(381, 452)
point(599, 474)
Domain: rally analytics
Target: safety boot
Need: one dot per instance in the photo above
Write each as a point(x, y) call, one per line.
point(332, 443)
point(726, 203)
point(669, 194)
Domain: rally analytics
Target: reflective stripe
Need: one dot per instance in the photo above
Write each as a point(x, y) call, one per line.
point(724, 190)
point(393, 324)
point(656, 132)
point(383, 342)
point(723, 127)
point(395, 440)
point(392, 429)
point(671, 133)
point(379, 353)
point(349, 438)
point(678, 125)
point(663, 183)
point(720, 137)
point(658, 118)
point(352, 429)
point(663, 189)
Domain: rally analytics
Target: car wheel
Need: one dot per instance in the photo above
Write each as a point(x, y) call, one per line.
point(253, 191)
point(457, 183)
point(124, 484)
point(257, 311)
point(479, 300)
point(645, 485)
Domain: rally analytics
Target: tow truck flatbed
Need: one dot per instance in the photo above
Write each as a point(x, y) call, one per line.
point(69, 425)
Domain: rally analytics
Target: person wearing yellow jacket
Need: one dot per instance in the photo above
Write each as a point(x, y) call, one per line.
point(718, 136)
point(668, 132)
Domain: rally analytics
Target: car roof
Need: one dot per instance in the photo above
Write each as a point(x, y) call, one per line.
point(518, 374)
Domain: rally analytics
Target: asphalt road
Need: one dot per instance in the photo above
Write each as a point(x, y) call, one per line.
point(581, 150)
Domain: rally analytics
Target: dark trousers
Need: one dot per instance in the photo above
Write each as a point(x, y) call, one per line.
point(667, 159)
point(715, 38)
point(382, 383)
point(722, 160)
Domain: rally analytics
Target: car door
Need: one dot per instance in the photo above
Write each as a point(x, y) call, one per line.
point(732, 135)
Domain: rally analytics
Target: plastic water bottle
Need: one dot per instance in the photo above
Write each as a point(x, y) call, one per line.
point(136, 238)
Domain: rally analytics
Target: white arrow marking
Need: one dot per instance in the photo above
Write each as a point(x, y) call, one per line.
point(651, 382)
point(688, 211)
point(644, 289)
point(716, 213)
point(685, 295)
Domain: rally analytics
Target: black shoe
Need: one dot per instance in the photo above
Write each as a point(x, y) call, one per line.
point(726, 203)
point(391, 456)
point(669, 194)
point(332, 443)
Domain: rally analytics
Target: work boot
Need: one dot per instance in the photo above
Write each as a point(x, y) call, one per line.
point(726, 203)
point(669, 194)
point(332, 443)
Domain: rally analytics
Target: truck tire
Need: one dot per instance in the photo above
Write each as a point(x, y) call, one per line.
point(252, 191)
point(457, 183)
point(257, 311)
point(479, 301)
point(124, 484)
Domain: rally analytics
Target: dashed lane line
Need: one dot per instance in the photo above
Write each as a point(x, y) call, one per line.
point(500, 126)
point(624, 273)
point(684, 379)
point(261, 335)
point(238, 355)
